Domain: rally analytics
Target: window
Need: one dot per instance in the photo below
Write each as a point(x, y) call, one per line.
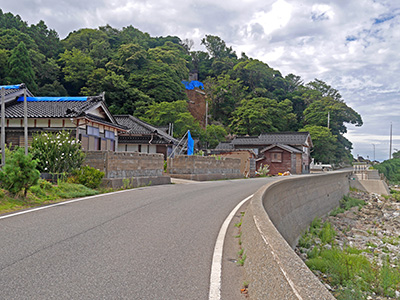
point(93, 131)
point(109, 135)
point(276, 157)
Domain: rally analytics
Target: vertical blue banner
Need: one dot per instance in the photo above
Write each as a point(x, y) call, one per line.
point(190, 144)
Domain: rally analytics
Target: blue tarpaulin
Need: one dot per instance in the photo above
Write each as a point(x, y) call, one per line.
point(190, 144)
point(10, 87)
point(190, 85)
point(54, 99)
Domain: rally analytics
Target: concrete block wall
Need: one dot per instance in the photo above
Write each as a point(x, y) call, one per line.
point(126, 164)
point(203, 167)
point(276, 217)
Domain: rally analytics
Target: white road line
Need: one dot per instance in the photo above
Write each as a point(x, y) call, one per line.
point(62, 203)
point(216, 266)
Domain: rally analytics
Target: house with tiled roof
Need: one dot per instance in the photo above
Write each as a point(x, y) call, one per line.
point(281, 151)
point(143, 137)
point(87, 118)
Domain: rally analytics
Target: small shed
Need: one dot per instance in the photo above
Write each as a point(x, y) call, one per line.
point(280, 158)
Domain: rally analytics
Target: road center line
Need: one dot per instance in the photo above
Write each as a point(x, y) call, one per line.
point(216, 265)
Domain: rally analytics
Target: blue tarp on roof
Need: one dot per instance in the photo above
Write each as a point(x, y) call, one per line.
point(10, 87)
point(54, 99)
point(190, 85)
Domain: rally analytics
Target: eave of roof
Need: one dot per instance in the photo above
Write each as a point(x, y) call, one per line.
point(133, 123)
point(284, 147)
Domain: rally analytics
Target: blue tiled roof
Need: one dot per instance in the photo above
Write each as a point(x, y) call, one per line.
point(11, 87)
point(53, 99)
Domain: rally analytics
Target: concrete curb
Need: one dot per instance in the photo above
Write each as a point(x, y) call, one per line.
point(277, 215)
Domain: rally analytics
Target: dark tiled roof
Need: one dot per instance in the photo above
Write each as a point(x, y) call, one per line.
point(246, 140)
point(289, 138)
point(225, 146)
point(15, 92)
point(137, 126)
point(51, 109)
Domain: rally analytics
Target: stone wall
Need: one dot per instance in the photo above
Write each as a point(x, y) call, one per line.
point(245, 157)
point(203, 168)
point(276, 217)
point(126, 164)
point(197, 105)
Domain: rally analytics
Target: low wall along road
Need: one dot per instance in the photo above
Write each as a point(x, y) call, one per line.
point(203, 168)
point(277, 216)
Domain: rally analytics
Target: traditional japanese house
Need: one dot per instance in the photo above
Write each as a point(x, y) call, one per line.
point(87, 118)
point(281, 151)
point(143, 137)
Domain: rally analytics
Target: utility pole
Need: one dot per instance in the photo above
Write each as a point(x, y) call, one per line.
point(329, 118)
point(390, 147)
point(25, 123)
point(374, 150)
point(3, 127)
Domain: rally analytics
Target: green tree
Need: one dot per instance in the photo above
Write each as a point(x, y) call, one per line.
point(224, 94)
point(216, 47)
point(76, 67)
point(255, 74)
point(213, 135)
point(55, 89)
point(390, 168)
point(121, 97)
point(19, 172)
point(340, 113)
point(259, 115)
point(4, 70)
point(47, 40)
point(161, 114)
point(396, 154)
point(21, 70)
point(84, 39)
point(11, 38)
point(325, 143)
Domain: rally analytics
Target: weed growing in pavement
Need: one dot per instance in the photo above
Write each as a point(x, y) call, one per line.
point(241, 254)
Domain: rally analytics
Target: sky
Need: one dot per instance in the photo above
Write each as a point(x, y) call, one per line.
point(353, 45)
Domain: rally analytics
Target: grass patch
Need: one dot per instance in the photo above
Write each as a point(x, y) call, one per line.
point(43, 193)
point(346, 203)
point(347, 269)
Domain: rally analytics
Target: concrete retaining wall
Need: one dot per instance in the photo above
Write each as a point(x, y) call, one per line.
point(371, 186)
point(126, 164)
point(276, 217)
point(128, 169)
point(203, 167)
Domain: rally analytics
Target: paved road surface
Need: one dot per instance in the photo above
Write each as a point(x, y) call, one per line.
point(148, 243)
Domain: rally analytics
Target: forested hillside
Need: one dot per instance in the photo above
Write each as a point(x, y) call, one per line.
point(141, 75)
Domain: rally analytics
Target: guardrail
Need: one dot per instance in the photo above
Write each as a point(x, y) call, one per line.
point(276, 217)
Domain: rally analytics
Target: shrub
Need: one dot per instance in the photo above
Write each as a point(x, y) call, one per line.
point(88, 176)
point(327, 233)
point(263, 170)
point(57, 152)
point(19, 172)
point(348, 202)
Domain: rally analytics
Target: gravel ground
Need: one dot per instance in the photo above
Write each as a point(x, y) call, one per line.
point(376, 227)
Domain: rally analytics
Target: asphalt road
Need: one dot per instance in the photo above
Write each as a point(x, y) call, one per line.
point(147, 243)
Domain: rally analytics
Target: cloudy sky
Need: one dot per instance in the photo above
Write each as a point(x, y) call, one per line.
point(353, 45)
